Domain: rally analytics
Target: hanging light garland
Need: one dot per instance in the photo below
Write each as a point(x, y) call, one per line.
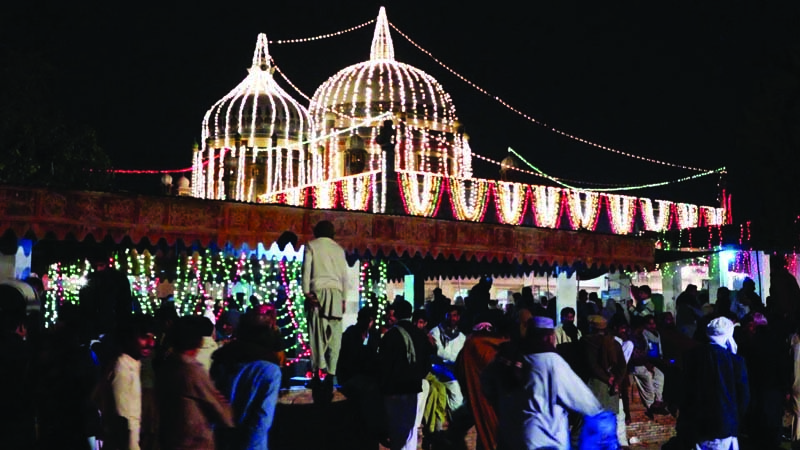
point(583, 207)
point(473, 208)
point(713, 216)
point(651, 222)
point(621, 212)
point(547, 206)
point(687, 215)
point(510, 199)
point(356, 191)
point(420, 199)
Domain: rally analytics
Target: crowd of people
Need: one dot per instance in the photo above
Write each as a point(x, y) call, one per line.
point(725, 367)
point(526, 376)
point(138, 381)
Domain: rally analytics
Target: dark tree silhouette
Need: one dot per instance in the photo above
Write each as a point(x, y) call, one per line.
point(39, 144)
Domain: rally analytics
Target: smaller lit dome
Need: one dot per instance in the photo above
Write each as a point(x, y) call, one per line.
point(256, 136)
point(509, 161)
point(183, 182)
point(257, 111)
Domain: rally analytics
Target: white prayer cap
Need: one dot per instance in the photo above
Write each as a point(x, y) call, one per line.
point(720, 326)
point(542, 322)
point(720, 332)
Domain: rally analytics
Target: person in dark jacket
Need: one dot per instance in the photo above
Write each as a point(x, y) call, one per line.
point(358, 369)
point(716, 391)
point(404, 359)
point(16, 391)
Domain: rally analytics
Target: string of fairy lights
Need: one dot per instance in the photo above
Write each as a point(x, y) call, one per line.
point(209, 282)
point(494, 97)
point(536, 121)
point(322, 36)
point(561, 182)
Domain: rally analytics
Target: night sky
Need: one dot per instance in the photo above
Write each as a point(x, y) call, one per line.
point(702, 84)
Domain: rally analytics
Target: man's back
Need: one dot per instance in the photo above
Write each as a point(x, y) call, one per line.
point(188, 404)
point(254, 395)
point(533, 414)
point(324, 266)
point(717, 394)
point(399, 374)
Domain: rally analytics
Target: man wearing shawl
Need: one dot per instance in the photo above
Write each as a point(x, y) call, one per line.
point(479, 350)
point(717, 391)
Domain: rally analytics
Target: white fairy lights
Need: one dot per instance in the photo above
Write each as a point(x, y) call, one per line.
point(322, 36)
point(538, 122)
point(259, 144)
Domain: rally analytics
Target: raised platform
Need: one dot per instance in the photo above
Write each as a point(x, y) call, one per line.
point(301, 425)
point(648, 431)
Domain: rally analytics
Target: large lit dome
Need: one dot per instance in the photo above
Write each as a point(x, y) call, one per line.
point(363, 95)
point(254, 138)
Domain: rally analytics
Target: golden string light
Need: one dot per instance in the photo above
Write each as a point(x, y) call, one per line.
point(356, 192)
point(420, 199)
point(322, 36)
point(536, 121)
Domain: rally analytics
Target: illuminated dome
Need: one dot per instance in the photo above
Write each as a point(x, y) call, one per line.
point(359, 98)
point(254, 138)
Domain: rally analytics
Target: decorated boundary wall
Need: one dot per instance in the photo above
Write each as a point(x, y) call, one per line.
point(38, 213)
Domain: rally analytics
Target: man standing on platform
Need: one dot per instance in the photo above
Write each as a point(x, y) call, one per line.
point(325, 284)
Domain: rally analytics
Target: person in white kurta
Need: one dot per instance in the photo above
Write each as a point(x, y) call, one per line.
point(532, 409)
point(621, 334)
point(448, 342)
point(127, 390)
point(137, 341)
point(325, 283)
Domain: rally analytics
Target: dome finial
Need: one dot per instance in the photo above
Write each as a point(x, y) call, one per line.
point(261, 57)
point(382, 47)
